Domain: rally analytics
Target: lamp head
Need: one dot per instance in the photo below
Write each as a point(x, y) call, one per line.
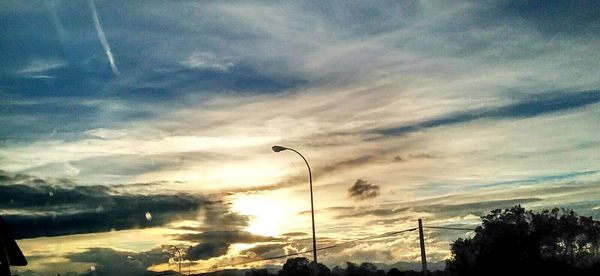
point(278, 148)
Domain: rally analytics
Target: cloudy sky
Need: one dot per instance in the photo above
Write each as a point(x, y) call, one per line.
point(131, 126)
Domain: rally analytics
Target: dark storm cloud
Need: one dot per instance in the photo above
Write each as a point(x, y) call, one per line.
point(207, 250)
point(112, 262)
point(77, 210)
point(41, 209)
point(529, 107)
point(213, 243)
point(218, 216)
point(267, 250)
point(221, 229)
point(362, 190)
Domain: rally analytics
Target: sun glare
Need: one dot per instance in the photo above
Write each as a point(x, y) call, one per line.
point(266, 213)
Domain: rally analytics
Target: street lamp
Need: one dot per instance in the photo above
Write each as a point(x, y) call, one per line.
point(179, 251)
point(312, 208)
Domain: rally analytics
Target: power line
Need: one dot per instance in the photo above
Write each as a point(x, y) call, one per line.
point(384, 235)
point(380, 236)
point(325, 248)
point(449, 228)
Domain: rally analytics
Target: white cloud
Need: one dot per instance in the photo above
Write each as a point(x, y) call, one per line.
point(207, 61)
point(38, 66)
point(108, 134)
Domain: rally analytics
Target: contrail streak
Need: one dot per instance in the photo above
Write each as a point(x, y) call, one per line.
point(102, 39)
point(63, 36)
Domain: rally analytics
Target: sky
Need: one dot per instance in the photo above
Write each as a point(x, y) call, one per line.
point(130, 127)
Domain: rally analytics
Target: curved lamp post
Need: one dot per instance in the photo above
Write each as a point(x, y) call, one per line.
point(312, 208)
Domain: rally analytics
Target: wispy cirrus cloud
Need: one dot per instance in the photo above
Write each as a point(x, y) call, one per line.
point(207, 61)
point(538, 105)
point(39, 68)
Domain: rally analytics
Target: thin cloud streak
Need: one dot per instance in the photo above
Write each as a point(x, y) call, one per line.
point(102, 38)
point(541, 104)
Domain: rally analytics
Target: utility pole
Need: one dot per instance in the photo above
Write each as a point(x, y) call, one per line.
point(422, 241)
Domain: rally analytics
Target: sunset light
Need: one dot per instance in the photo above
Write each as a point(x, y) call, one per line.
point(288, 138)
point(266, 214)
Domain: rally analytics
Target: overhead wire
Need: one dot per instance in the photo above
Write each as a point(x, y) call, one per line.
point(379, 236)
point(448, 228)
point(326, 247)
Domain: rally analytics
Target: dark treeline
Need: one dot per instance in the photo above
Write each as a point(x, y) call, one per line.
point(302, 267)
point(508, 242)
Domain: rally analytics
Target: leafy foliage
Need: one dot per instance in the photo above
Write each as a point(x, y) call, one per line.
point(302, 267)
point(516, 240)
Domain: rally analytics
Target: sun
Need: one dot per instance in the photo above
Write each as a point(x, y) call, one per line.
point(265, 212)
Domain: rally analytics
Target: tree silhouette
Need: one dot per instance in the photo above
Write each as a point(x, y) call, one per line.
point(295, 267)
point(302, 267)
point(515, 240)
